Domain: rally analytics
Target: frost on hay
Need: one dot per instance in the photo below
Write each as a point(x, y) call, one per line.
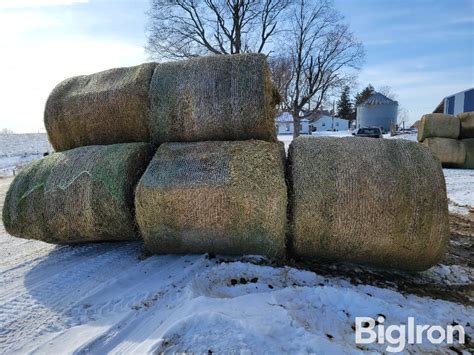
point(213, 98)
point(367, 200)
point(103, 108)
point(80, 195)
point(219, 197)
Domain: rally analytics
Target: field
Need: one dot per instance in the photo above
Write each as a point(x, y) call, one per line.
point(114, 297)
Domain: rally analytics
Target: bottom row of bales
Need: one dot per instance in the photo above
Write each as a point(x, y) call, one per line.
point(386, 207)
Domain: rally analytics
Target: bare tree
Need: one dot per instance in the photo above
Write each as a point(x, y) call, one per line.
point(189, 28)
point(388, 92)
point(323, 54)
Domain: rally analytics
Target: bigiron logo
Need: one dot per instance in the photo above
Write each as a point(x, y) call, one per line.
point(368, 331)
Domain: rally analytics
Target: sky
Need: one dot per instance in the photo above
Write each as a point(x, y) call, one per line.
point(422, 49)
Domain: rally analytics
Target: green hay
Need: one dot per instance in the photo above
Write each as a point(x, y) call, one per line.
point(450, 152)
point(217, 197)
point(80, 195)
point(366, 200)
point(103, 108)
point(438, 125)
point(213, 98)
point(467, 124)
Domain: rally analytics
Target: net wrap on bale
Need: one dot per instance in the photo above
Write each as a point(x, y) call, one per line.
point(467, 124)
point(80, 195)
point(226, 97)
point(109, 107)
point(438, 125)
point(367, 200)
point(451, 152)
point(216, 197)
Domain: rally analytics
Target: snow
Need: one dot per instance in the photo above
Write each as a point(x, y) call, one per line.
point(460, 189)
point(101, 298)
point(17, 150)
point(114, 298)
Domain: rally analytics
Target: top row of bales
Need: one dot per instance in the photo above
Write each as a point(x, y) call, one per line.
point(450, 138)
point(209, 98)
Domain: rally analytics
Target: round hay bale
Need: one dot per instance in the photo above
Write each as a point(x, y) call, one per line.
point(469, 147)
point(467, 124)
point(103, 108)
point(226, 97)
point(216, 197)
point(451, 152)
point(80, 195)
point(438, 125)
point(366, 200)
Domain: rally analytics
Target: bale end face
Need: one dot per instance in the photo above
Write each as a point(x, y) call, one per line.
point(380, 202)
point(467, 124)
point(219, 197)
point(469, 147)
point(450, 152)
point(438, 125)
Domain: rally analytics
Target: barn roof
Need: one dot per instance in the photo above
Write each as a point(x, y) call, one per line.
point(379, 99)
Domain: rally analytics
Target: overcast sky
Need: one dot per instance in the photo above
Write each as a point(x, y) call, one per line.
point(424, 49)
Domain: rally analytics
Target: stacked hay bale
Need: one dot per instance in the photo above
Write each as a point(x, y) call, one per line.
point(84, 193)
point(448, 138)
point(80, 195)
point(210, 98)
point(363, 207)
point(221, 197)
point(216, 183)
point(213, 98)
point(108, 107)
point(467, 137)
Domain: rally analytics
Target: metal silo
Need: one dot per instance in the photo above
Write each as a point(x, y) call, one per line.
point(377, 111)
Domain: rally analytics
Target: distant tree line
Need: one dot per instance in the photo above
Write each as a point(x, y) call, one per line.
point(312, 52)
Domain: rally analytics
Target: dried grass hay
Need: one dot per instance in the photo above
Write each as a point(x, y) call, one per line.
point(467, 124)
point(367, 200)
point(103, 108)
point(451, 152)
point(469, 147)
point(80, 195)
point(438, 125)
point(227, 97)
point(217, 197)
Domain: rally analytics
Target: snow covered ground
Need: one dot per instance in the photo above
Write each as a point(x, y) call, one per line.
point(17, 150)
point(113, 297)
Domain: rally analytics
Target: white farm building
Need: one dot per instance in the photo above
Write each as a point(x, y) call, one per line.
point(316, 122)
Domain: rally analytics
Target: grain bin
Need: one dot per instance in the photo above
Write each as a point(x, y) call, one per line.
point(377, 111)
